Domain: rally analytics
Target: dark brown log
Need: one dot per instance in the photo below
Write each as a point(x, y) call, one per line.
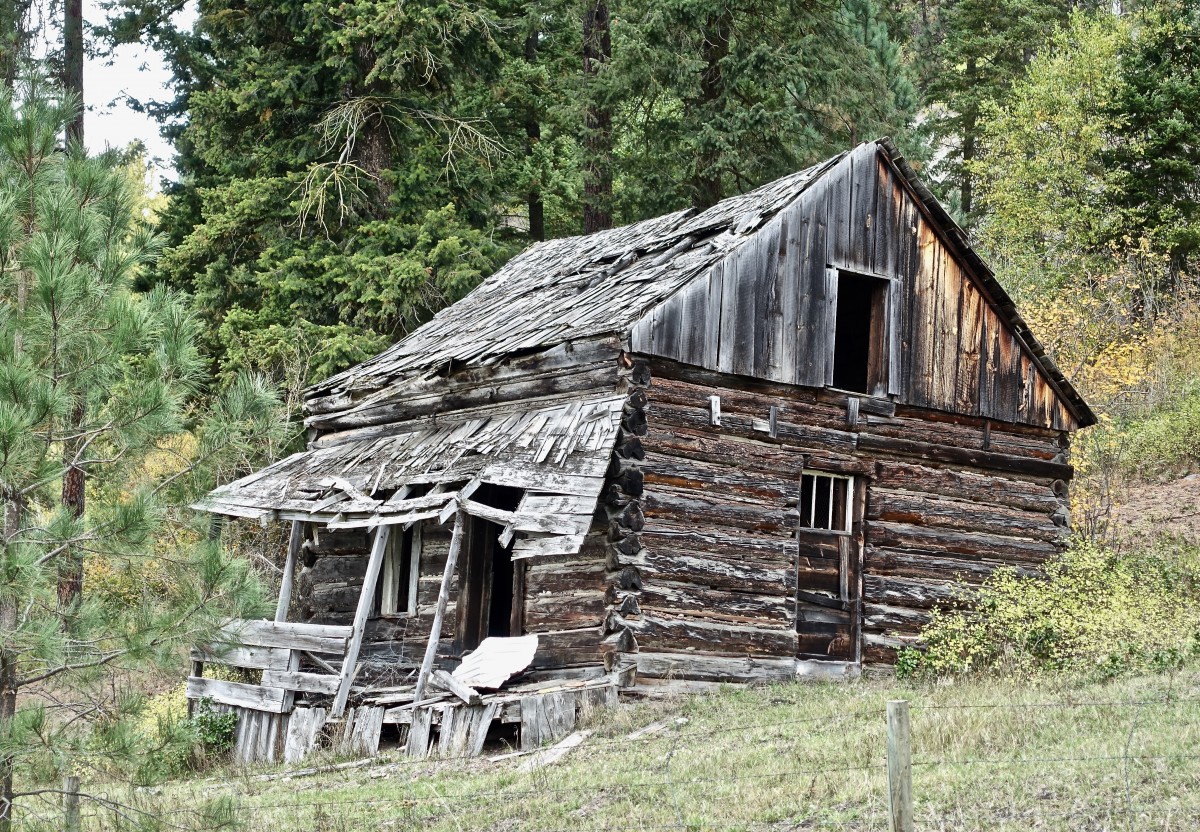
point(641, 373)
point(631, 448)
point(631, 481)
point(961, 456)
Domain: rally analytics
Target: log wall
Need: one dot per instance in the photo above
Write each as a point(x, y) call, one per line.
point(720, 567)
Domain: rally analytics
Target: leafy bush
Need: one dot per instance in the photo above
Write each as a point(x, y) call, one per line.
point(184, 743)
point(1168, 439)
point(1096, 612)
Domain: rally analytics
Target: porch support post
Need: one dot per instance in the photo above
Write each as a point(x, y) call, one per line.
point(435, 632)
point(365, 602)
point(289, 570)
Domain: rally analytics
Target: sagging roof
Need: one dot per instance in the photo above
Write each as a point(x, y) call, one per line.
point(569, 289)
point(574, 288)
point(556, 453)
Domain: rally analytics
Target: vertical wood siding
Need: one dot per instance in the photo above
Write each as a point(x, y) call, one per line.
point(768, 310)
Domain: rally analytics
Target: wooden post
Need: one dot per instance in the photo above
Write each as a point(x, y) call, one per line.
point(899, 767)
point(71, 803)
point(435, 632)
point(289, 570)
point(365, 601)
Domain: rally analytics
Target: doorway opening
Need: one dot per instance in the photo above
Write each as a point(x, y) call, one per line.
point(491, 585)
point(858, 349)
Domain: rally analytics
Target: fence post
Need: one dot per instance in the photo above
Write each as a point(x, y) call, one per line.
point(899, 767)
point(71, 803)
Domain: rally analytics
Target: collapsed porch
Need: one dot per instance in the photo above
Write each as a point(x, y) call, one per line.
point(318, 678)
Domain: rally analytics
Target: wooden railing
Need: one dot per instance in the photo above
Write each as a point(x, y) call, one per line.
point(275, 648)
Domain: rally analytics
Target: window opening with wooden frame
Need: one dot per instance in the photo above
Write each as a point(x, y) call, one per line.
point(826, 501)
point(861, 343)
point(401, 572)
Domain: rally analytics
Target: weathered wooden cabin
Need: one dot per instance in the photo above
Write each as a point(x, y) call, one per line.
point(755, 442)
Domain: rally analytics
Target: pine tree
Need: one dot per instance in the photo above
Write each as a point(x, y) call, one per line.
point(1155, 157)
point(978, 48)
point(88, 365)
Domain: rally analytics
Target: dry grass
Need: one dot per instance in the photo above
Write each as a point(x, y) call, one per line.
point(988, 754)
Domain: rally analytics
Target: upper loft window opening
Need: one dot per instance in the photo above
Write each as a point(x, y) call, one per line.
point(859, 365)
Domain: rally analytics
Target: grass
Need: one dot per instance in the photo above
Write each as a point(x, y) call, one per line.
point(987, 754)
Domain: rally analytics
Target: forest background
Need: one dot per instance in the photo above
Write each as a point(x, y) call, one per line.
point(347, 169)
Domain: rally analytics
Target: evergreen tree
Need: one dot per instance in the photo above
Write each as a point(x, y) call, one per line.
point(977, 49)
point(1155, 157)
point(106, 375)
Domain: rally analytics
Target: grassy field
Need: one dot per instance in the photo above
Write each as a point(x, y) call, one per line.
point(1122, 755)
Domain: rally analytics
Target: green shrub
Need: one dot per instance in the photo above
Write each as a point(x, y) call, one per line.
point(1095, 611)
point(183, 744)
point(1166, 440)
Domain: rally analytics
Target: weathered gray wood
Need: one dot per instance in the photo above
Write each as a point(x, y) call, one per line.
point(435, 631)
point(546, 717)
point(481, 723)
point(419, 732)
point(365, 602)
point(319, 638)
point(304, 682)
point(362, 738)
point(452, 726)
point(303, 733)
point(258, 658)
point(552, 755)
point(899, 767)
point(239, 694)
point(70, 801)
point(289, 569)
point(447, 682)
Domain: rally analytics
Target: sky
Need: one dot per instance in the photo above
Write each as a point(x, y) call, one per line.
point(136, 72)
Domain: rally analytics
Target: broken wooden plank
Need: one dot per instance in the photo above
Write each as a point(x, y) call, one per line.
point(366, 600)
point(254, 697)
point(463, 691)
point(549, 756)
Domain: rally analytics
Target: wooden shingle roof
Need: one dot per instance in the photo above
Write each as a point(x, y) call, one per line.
point(567, 289)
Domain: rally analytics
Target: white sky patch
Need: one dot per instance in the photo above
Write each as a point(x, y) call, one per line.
point(133, 71)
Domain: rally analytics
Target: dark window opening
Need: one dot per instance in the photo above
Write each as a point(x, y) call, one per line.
point(858, 349)
point(824, 502)
point(490, 587)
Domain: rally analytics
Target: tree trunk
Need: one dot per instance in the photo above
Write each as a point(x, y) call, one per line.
point(969, 122)
point(73, 62)
point(8, 669)
point(533, 134)
point(597, 172)
point(707, 189)
point(14, 39)
point(74, 484)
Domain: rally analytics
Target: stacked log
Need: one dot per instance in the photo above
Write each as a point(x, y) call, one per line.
point(626, 519)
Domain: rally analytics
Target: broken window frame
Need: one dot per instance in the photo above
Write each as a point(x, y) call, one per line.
point(847, 512)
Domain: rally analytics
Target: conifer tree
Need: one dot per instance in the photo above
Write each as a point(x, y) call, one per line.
point(76, 341)
point(1155, 156)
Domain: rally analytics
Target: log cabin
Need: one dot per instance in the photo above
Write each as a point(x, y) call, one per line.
point(757, 442)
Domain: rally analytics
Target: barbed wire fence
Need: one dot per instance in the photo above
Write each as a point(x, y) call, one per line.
point(903, 776)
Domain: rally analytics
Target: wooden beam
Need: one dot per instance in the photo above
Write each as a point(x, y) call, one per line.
point(365, 600)
point(289, 571)
point(439, 613)
point(466, 693)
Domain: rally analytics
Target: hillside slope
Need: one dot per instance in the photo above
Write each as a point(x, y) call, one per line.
point(987, 755)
